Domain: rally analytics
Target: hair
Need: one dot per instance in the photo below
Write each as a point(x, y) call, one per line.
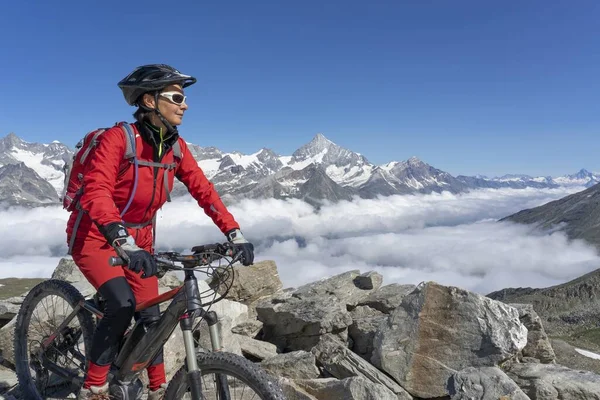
point(142, 113)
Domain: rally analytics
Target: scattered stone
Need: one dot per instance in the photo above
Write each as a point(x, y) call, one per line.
point(355, 388)
point(555, 382)
point(342, 363)
point(486, 383)
point(538, 346)
point(249, 328)
point(255, 350)
point(365, 322)
point(292, 392)
point(298, 364)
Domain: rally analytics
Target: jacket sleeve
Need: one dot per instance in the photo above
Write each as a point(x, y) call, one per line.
point(100, 175)
point(201, 189)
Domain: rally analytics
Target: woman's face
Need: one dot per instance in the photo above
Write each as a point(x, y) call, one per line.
point(171, 104)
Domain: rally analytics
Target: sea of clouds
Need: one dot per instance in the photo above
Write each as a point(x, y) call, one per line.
point(451, 239)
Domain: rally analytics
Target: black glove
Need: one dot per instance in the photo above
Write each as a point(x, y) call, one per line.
point(240, 244)
point(137, 258)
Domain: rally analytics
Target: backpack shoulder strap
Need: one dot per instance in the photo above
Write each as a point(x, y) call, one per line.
point(91, 144)
point(129, 139)
point(177, 150)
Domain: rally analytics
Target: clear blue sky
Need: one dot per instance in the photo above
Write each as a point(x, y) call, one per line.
point(468, 86)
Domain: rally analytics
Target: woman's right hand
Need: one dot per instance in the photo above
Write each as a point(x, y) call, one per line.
point(137, 258)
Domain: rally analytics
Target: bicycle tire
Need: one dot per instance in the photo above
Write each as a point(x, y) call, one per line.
point(230, 365)
point(44, 289)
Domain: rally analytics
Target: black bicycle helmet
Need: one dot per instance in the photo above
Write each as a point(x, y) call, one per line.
point(151, 78)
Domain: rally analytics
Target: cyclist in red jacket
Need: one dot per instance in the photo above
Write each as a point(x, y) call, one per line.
point(101, 232)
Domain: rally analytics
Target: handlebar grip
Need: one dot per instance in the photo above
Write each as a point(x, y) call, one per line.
point(116, 261)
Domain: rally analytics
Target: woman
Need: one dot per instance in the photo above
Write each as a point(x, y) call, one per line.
point(158, 92)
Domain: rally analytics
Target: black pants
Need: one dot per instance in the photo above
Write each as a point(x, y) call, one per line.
point(119, 308)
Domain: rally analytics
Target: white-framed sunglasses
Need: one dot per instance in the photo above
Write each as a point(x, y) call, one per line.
point(173, 97)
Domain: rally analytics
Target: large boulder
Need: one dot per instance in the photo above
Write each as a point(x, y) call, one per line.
point(486, 383)
point(555, 382)
point(438, 330)
point(7, 335)
point(387, 298)
point(67, 270)
point(9, 309)
point(349, 287)
point(229, 314)
point(538, 345)
point(292, 323)
point(253, 283)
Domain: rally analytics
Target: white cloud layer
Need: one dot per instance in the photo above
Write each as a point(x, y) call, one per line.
point(451, 239)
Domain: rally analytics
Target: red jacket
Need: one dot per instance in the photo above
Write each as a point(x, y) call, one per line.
point(108, 182)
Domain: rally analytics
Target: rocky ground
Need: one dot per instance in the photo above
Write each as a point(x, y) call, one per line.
point(350, 337)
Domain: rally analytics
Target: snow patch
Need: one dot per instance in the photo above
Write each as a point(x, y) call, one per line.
point(244, 160)
point(285, 160)
point(34, 161)
point(316, 159)
point(354, 176)
point(388, 167)
point(588, 354)
point(571, 182)
point(210, 167)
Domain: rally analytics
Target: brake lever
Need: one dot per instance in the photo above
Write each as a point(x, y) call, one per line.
point(235, 258)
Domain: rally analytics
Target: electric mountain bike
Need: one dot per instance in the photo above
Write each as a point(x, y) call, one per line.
point(55, 325)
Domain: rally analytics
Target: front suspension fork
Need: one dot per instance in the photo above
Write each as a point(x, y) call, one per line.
point(194, 373)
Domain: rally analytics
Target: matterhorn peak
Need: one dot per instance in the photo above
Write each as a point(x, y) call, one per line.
point(320, 141)
point(414, 162)
point(318, 145)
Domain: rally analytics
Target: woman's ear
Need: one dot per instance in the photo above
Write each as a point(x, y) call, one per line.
point(148, 101)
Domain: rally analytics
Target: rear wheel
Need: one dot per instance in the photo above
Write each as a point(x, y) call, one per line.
point(58, 369)
point(226, 373)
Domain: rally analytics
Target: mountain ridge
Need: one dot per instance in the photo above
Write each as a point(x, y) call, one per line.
point(577, 215)
point(341, 173)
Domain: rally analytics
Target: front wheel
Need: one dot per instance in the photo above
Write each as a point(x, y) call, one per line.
point(226, 376)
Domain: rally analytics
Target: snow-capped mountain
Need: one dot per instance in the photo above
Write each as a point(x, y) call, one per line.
point(47, 160)
point(508, 181)
point(581, 178)
point(21, 185)
point(320, 170)
point(345, 167)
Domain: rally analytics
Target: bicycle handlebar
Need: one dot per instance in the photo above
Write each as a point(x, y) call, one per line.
point(202, 255)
